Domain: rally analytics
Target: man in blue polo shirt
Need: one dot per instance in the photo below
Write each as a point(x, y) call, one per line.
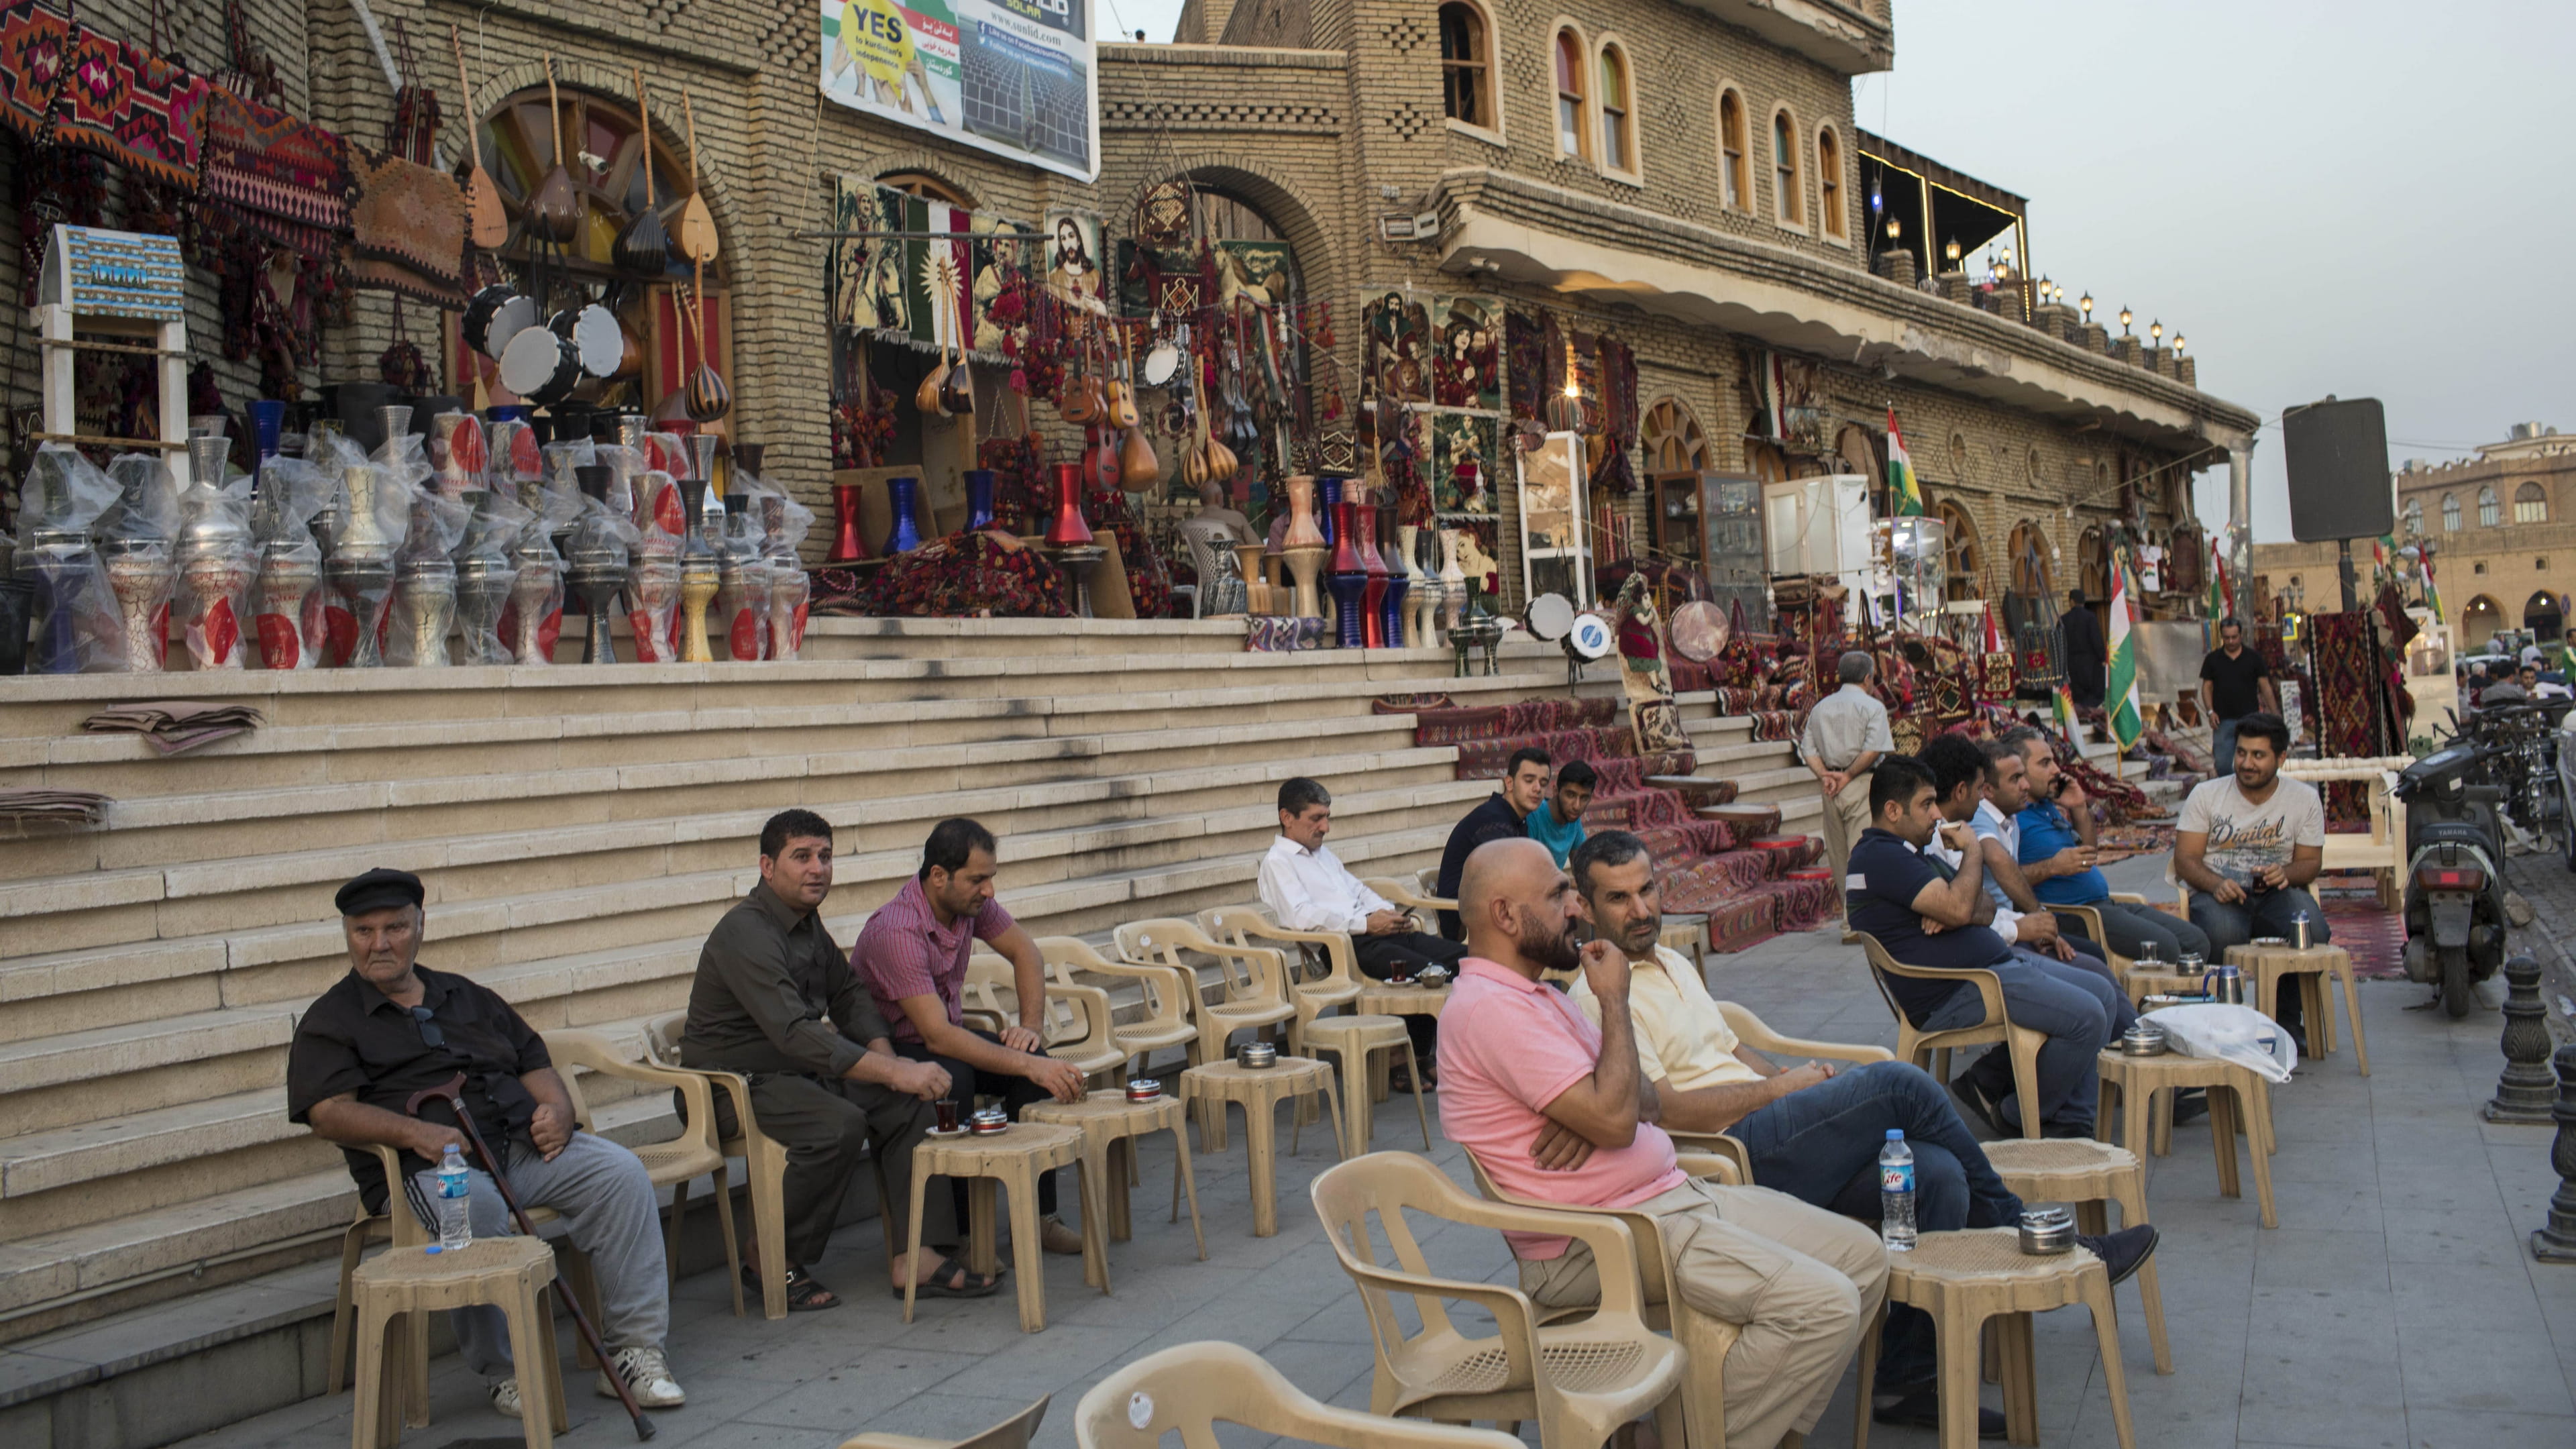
point(1923, 914)
point(2057, 854)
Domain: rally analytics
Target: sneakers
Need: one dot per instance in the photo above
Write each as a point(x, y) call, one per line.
point(1055, 1237)
point(647, 1375)
point(505, 1397)
point(2123, 1252)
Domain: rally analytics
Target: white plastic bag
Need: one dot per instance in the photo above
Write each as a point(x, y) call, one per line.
point(2228, 1032)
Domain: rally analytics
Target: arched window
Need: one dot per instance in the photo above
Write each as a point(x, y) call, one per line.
point(2414, 515)
point(1466, 65)
point(1967, 561)
point(1731, 150)
point(1829, 182)
point(2450, 514)
point(925, 186)
point(2490, 509)
point(1570, 104)
point(2530, 504)
point(1618, 137)
point(1786, 203)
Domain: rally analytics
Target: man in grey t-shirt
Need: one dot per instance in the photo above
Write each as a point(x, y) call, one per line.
point(2248, 845)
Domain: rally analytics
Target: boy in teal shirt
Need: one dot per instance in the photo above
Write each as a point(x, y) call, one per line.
point(1558, 824)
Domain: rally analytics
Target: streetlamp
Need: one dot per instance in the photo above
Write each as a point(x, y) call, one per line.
point(1950, 253)
point(2178, 344)
point(1895, 229)
point(2125, 315)
point(2156, 332)
point(2087, 305)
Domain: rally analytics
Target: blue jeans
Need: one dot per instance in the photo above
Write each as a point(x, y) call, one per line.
point(2077, 1009)
point(2267, 913)
point(1821, 1147)
point(2222, 746)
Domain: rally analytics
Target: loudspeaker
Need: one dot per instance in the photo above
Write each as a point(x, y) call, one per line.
point(2337, 453)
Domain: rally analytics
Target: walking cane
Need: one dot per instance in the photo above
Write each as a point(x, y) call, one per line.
point(452, 1092)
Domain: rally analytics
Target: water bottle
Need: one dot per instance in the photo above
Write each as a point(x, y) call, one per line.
point(455, 1201)
point(1896, 1193)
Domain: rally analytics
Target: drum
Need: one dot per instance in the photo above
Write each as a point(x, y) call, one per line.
point(1589, 639)
point(1161, 364)
point(540, 366)
point(1699, 631)
point(1549, 617)
point(596, 338)
point(494, 317)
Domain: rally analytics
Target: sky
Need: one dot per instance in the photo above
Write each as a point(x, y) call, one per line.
point(2346, 197)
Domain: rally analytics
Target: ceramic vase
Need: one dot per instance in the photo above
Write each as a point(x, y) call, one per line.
point(847, 547)
point(904, 500)
point(979, 498)
point(1302, 532)
point(1069, 528)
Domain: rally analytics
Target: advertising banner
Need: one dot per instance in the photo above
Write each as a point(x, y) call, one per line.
point(1018, 78)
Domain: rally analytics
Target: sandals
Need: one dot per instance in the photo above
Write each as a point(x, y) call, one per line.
point(804, 1295)
point(951, 1280)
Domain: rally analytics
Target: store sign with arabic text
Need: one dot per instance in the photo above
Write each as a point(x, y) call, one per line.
point(1018, 78)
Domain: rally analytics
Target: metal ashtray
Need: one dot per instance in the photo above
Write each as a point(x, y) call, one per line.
point(2048, 1231)
point(2269, 941)
point(1433, 976)
point(1144, 1089)
point(2193, 963)
point(989, 1121)
point(2144, 1039)
point(1256, 1056)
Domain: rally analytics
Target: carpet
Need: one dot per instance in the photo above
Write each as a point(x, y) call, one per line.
point(2376, 938)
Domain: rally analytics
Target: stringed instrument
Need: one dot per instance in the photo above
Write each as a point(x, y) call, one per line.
point(1121, 390)
point(642, 247)
point(556, 204)
point(487, 224)
point(957, 393)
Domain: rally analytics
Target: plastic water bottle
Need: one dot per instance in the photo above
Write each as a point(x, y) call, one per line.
point(1896, 1193)
point(455, 1201)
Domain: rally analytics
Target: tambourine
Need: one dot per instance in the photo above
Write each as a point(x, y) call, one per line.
point(1549, 617)
point(495, 316)
point(1699, 631)
point(596, 338)
point(1161, 364)
point(1589, 638)
point(540, 366)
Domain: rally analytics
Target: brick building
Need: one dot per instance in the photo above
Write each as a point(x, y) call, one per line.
point(1686, 178)
point(2501, 529)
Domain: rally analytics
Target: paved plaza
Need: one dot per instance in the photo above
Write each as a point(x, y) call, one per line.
point(2394, 1306)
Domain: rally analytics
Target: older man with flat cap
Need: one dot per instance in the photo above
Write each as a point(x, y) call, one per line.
point(392, 1027)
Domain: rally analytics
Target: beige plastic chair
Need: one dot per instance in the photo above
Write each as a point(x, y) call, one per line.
point(675, 1163)
point(1918, 1046)
point(1412, 892)
point(1254, 992)
point(1752, 1032)
point(1191, 1388)
point(1075, 1026)
point(1248, 927)
point(1012, 1433)
point(1166, 1022)
point(1580, 1381)
point(1706, 1340)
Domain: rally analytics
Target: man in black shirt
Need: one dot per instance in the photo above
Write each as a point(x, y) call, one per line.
point(2084, 650)
point(392, 1027)
point(1503, 816)
point(2234, 682)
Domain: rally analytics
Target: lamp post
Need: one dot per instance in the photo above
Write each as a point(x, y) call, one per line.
point(2125, 316)
point(1950, 253)
point(2178, 344)
point(2086, 305)
point(2156, 332)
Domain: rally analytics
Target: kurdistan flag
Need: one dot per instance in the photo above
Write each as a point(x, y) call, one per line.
point(2120, 694)
point(1900, 473)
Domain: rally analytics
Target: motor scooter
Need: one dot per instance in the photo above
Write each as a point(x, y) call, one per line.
point(2455, 893)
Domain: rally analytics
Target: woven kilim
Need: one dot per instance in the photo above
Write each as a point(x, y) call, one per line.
point(34, 43)
point(1741, 923)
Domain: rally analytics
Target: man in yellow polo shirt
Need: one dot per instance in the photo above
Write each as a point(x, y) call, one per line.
point(1813, 1131)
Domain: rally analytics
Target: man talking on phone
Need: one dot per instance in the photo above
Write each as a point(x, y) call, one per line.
point(2063, 866)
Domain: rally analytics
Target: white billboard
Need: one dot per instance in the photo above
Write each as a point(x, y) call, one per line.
point(1018, 78)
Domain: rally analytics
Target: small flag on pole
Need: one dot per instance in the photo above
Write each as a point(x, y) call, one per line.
point(2120, 695)
point(1900, 473)
point(2064, 702)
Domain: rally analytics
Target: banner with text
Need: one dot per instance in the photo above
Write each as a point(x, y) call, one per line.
point(1018, 78)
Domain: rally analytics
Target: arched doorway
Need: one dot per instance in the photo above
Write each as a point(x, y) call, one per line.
point(2479, 622)
point(1966, 554)
point(518, 142)
point(2093, 562)
point(1673, 442)
point(2543, 616)
point(2030, 611)
point(2027, 552)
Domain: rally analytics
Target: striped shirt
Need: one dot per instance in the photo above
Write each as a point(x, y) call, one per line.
point(904, 951)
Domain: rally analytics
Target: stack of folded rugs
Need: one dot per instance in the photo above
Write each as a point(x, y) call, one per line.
point(63, 807)
point(175, 726)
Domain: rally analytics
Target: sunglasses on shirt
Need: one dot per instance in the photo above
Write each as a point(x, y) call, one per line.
point(430, 1035)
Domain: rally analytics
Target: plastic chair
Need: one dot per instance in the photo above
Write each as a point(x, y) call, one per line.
point(1191, 1388)
point(1246, 927)
point(1075, 1025)
point(1166, 1022)
point(1012, 1433)
point(1580, 1381)
point(1411, 892)
point(1918, 1046)
point(1706, 1340)
point(1750, 1031)
point(674, 1163)
point(1254, 986)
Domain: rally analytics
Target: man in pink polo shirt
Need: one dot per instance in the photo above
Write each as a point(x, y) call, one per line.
point(1556, 1110)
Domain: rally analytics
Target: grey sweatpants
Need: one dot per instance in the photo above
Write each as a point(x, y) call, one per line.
point(607, 1202)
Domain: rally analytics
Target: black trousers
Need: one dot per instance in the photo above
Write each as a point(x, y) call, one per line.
point(1378, 956)
point(966, 1084)
point(828, 1129)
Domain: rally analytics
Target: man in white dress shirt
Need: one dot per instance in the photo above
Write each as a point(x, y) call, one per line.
point(1305, 887)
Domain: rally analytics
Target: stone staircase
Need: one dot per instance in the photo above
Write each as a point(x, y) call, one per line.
point(1765, 772)
point(578, 831)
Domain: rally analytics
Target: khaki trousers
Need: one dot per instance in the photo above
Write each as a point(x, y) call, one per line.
point(1846, 816)
point(1804, 1284)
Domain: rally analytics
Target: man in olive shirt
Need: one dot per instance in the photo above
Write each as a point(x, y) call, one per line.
point(776, 1001)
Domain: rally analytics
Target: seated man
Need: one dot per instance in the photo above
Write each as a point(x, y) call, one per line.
point(1813, 1131)
point(912, 954)
point(1958, 766)
point(1557, 1110)
point(1305, 887)
point(1924, 915)
point(393, 1027)
point(2506, 688)
point(1501, 817)
point(776, 1001)
point(1558, 824)
point(2057, 858)
point(2248, 845)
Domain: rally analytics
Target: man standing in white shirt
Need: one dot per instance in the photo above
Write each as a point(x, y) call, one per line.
point(1846, 734)
point(1305, 887)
